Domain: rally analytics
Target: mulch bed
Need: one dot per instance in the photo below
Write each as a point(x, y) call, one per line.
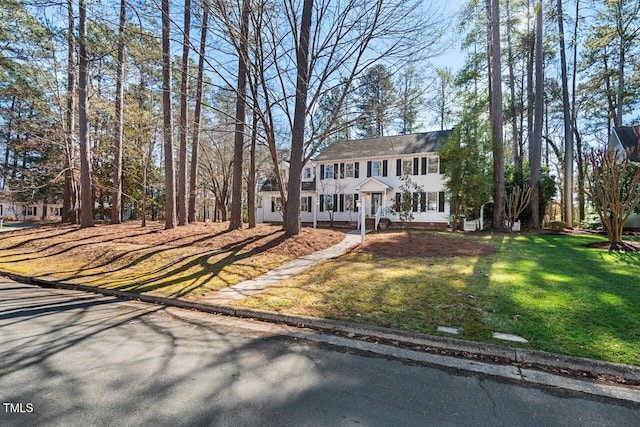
point(423, 245)
point(625, 246)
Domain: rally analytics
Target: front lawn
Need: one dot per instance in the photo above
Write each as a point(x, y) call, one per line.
point(187, 261)
point(550, 289)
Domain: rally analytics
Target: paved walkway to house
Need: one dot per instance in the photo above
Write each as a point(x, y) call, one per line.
point(251, 287)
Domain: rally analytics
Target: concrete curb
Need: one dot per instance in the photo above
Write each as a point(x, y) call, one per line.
point(487, 352)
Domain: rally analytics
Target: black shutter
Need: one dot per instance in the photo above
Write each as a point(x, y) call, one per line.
point(423, 201)
point(441, 201)
point(384, 168)
point(398, 167)
point(341, 202)
point(273, 205)
point(335, 203)
point(341, 170)
point(398, 201)
point(335, 171)
point(309, 203)
point(356, 170)
point(415, 166)
point(369, 169)
point(322, 203)
point(424, 166)
point(321, 171)
point(442, 167)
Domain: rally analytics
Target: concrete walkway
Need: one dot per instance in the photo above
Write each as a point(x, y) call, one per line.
point(251, 287)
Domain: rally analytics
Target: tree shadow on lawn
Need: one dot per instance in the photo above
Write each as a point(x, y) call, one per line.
point(189, 273)
point(566, 298)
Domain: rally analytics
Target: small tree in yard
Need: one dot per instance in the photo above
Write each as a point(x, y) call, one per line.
point(403, 205)
point(614, 189)
point(517, 201)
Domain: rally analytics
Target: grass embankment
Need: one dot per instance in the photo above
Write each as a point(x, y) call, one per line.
point(560, 295)
point(192, 260)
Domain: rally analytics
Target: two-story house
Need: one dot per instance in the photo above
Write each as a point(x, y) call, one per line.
point(346, 174)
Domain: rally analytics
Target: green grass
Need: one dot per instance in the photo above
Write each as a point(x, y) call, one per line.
point(551, 289)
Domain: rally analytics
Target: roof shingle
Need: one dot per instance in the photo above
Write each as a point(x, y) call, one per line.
point(417, 143)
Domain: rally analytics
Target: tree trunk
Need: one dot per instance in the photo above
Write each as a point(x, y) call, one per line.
point(195, 143)
point(69, 197)
point(116, 199)
point(184, 88)
point(578, 140)
point(236, 189)
point(292, 218)
point(493, 9)
point(86, 209)
point(169, 175)
point(251, 181)
point(568, 127)
point(515, 143)
point(536, 143)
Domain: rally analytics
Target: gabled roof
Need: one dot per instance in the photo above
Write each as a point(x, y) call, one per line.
point(629, 137)
point(417, 143)
point(372, 184)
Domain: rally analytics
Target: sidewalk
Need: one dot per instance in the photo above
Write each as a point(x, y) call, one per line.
point(595, 377)
point(251, 287)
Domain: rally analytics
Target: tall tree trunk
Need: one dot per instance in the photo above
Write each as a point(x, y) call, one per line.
point(195, 142)
point(251, 180)
point(86, 209)
point(495, 70)
point(116, 199)
point(184, 88)
point(535, 152)
point(620, 94)
point(515, 143)
point(568, 125)
point(235, 221)
point(292, 218)
point(69, 196)
point(530, 75)
point(580, 157)
point(169, 174)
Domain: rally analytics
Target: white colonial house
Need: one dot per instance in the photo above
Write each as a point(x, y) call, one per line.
point(347, 174)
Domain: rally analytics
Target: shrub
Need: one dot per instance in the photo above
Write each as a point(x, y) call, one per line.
point(556, 225)
point(591, 221)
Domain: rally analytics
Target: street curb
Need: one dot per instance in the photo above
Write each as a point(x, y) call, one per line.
point(487, 352)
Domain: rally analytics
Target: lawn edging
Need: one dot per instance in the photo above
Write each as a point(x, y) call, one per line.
point(576, 367)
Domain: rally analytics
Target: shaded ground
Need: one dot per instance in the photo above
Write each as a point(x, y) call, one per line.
point(626, 246)
point(212, 236)
point(195, 259)
point(423, 244)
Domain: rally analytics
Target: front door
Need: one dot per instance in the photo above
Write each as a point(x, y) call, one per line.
point(376, 200)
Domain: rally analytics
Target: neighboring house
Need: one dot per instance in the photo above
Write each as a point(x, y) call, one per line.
point(27, 211)
point(625, 138)
point(370, 170)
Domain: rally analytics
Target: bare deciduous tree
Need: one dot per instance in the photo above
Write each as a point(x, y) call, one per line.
point(613, 185)
point(516, 203)
point(197, 115)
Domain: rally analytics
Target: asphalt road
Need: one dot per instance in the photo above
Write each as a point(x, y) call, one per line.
point(75, 359)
